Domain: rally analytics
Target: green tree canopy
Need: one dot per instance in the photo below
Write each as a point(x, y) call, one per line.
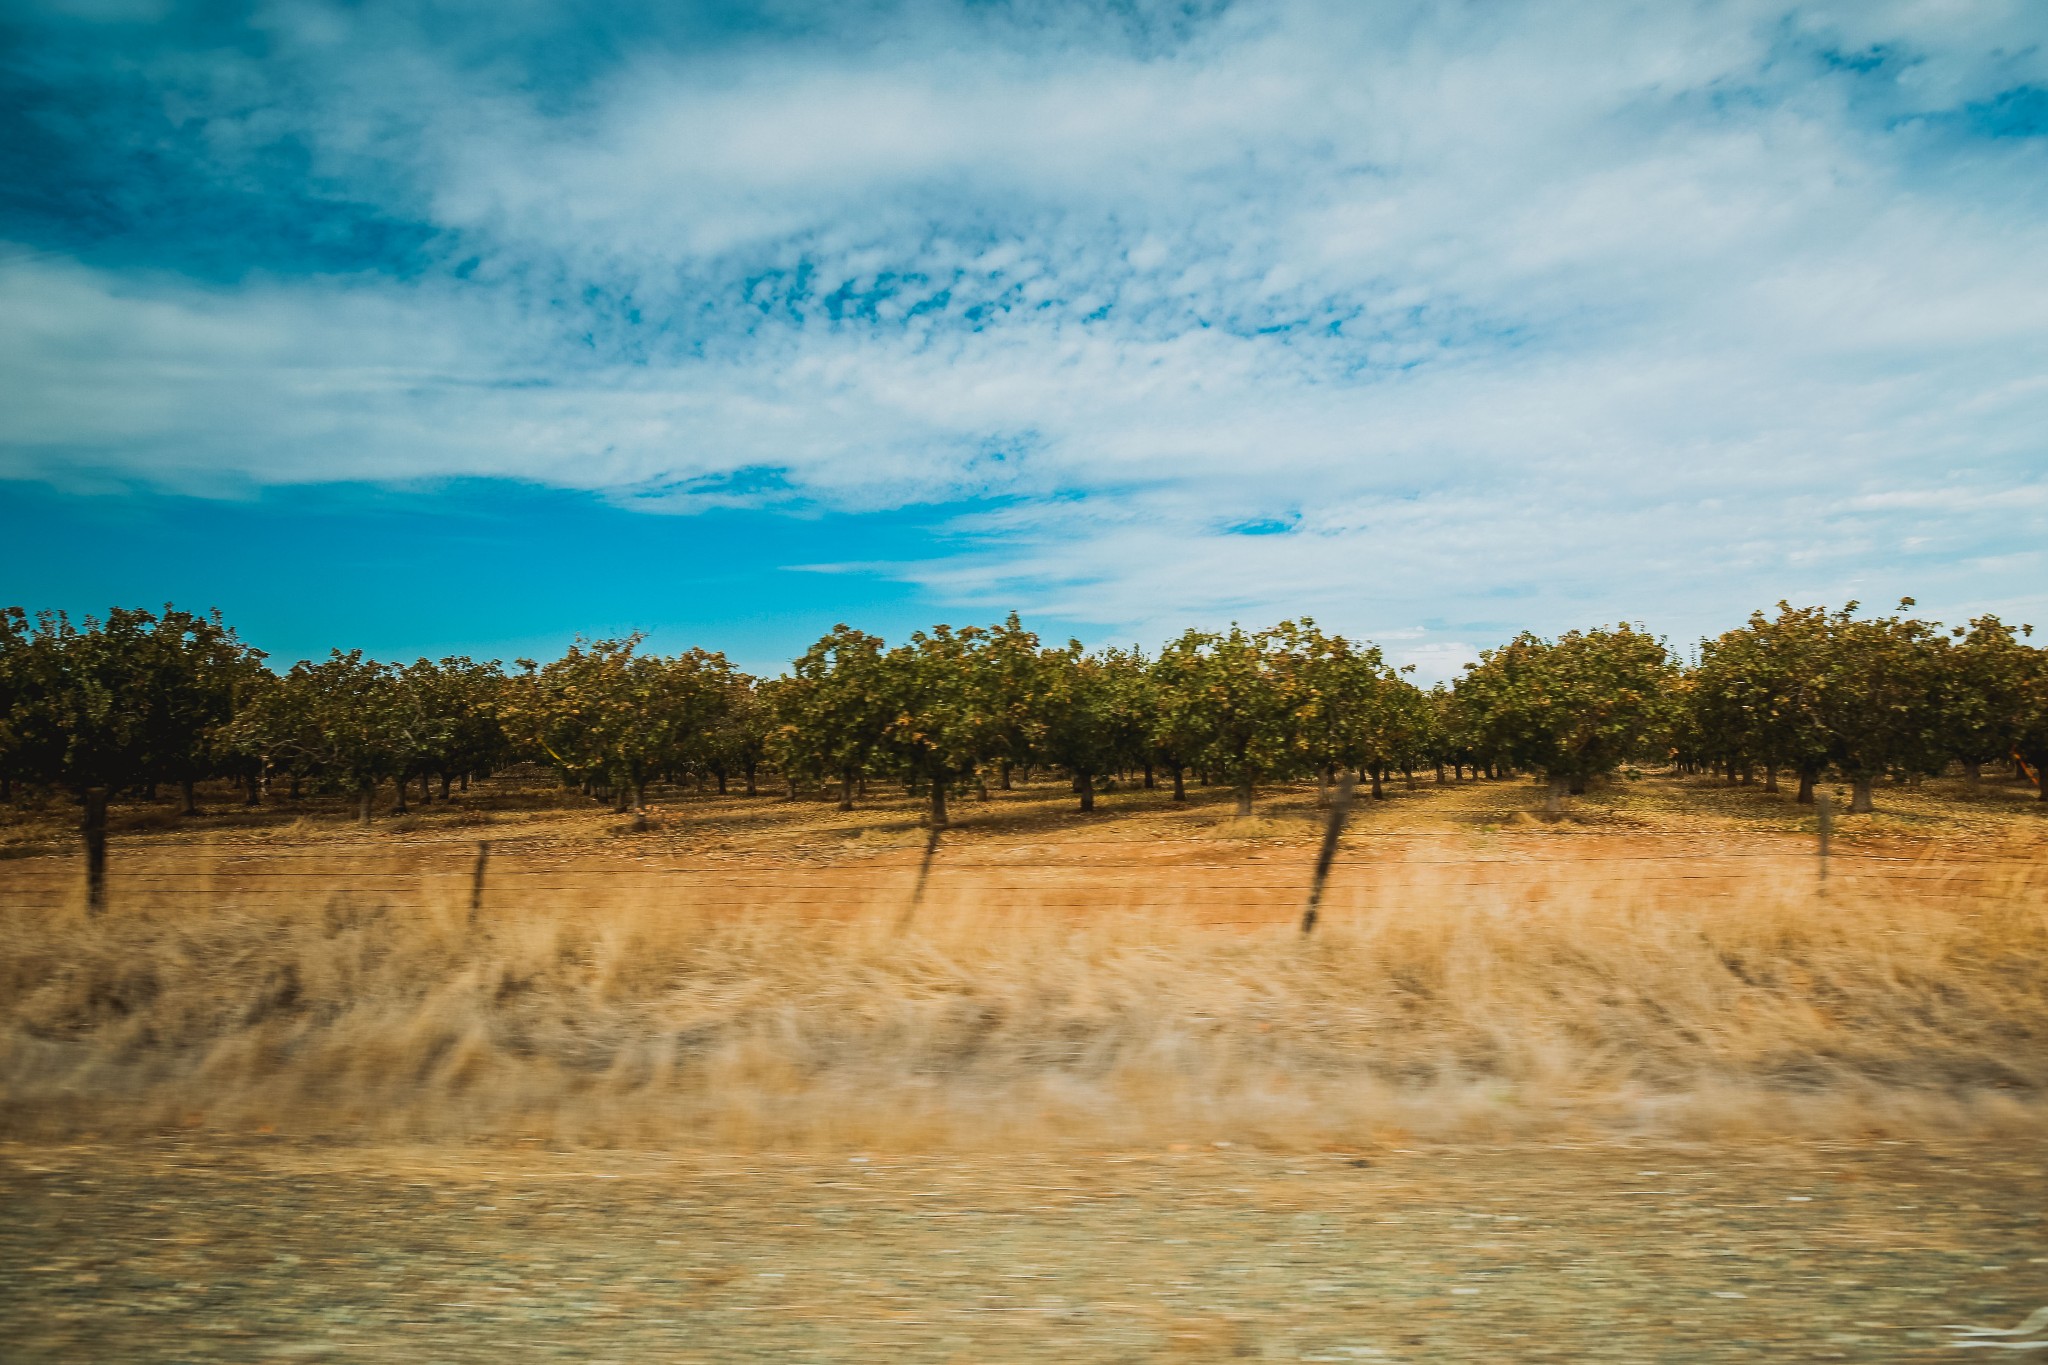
point(1573, 708)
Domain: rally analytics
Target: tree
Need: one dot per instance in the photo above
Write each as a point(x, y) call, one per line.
point(77, 717)
point(1336, 693)
point(1174, 731)
point(1224, 702)
point(187, 672)
point(608, 715)
point(465, 699)
point(1879, 697)
point(1082, 728)
point(346, 720)
point(1573, 708)
point(833, 709)
point(15, 675)
point(2030, 743)
point(934, 728)
point(1401, 732)
point(1755, 695)
point(1985, 709)
point(1009, 684)
point(1133, 700)
point(741, 740)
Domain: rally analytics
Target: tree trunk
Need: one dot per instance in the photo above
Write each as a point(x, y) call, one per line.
point(622, 798)
point(1553, 795)
point(1807, 777)
point(1323, 779)
point(1578, 787)
point(401, 808)
point(1151, 784)
point(1408, 778)
point(1003, 775)
point(938, 804)
point(292, 793)
point(1378, 774)
point(1085, 784)
point(1439, 772)
point(1180, 786)
point(750, 780)
point(366, 797)
point(92, 825)
point(255, 789)
point(1859, 800)
point(846, 792)
point(721, 781)
point(1771, 778)
point(465, 781)
point(445, 780)
point(1244, 800)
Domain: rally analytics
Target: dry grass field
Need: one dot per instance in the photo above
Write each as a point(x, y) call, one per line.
point(280, 1009)
point(754, 972)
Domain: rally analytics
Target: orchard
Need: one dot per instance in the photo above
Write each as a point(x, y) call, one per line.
point(121, 705)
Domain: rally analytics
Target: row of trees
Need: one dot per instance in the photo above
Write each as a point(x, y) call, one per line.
point(1811, 690)
point(137, 699)
point(1238, 707)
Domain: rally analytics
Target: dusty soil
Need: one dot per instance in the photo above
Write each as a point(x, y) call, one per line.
point(261, 1250)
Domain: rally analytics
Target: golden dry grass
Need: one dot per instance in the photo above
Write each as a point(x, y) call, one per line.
point(1047, 990)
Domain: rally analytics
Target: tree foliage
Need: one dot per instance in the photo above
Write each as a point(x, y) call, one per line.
point(135, 698)
point(1573, 708)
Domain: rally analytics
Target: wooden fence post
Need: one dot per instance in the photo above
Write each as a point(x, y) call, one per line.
point(1825, 812)
point(92, 824)
point(924, 871)
point(1340, 807)
point(476, 879)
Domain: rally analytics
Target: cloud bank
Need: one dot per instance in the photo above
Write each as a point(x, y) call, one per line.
point(1433, 320)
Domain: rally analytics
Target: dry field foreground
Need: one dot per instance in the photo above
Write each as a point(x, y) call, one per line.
point(753, 972)
point(1629, 1087)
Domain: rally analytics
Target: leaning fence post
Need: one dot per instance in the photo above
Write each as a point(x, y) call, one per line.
point(1340, 807)
point(924, 871)
point(92, 823)
point(476, 878)
point(1825, 812)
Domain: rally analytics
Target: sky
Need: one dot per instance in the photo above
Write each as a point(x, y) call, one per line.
point(469, 329)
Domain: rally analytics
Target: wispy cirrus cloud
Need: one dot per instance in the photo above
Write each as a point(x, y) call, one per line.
point(1498, 316)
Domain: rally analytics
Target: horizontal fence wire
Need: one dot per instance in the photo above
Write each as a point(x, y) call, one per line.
point(203, 856)
point(1375, 866)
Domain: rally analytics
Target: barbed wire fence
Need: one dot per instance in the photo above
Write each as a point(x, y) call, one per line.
point(1376, 870)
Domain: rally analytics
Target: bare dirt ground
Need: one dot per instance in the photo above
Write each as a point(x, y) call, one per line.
point(245, 1251)
point(206, 1235)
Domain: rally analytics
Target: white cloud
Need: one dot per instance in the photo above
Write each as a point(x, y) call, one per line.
point(1538, 314)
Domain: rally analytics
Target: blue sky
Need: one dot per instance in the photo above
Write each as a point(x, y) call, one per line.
point(433, 329)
